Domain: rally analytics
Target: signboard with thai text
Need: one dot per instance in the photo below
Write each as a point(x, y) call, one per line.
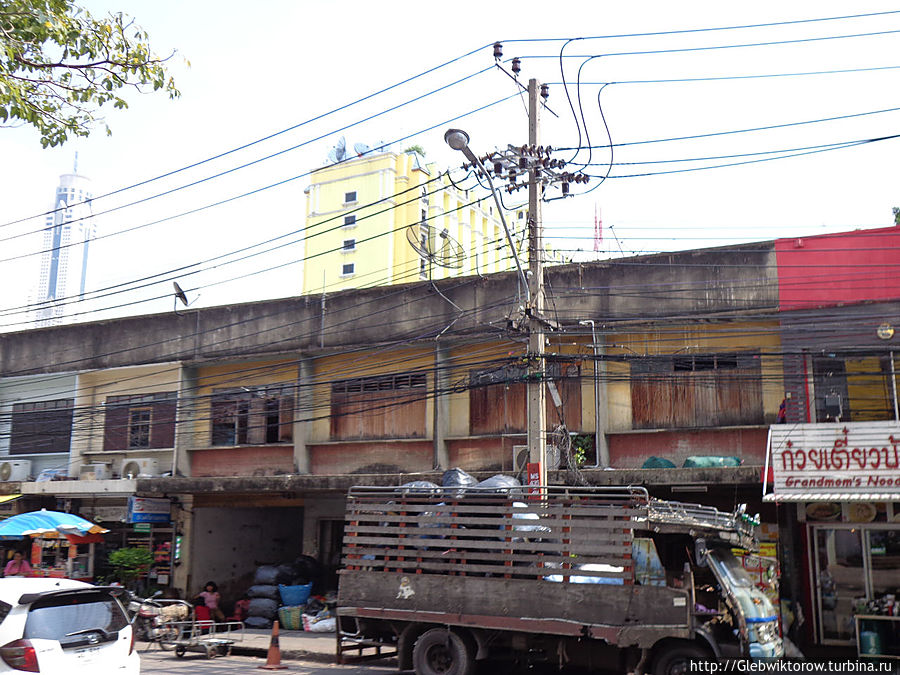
point(533, 473)
point(853, 458)
point(147, 510)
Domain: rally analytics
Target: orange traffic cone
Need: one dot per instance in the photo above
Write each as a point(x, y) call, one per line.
point(273, 658)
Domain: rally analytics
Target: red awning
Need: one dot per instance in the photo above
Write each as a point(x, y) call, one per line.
point(86, 539)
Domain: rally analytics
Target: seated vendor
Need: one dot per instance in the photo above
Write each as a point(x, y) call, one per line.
point(17, 567)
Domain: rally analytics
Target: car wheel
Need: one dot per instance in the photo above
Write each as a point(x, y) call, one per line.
point(676, 659)
point(442, 652)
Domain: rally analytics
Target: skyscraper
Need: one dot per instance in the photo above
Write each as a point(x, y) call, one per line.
point(70, 229)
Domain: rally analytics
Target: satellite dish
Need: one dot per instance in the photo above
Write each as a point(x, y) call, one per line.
point(361, 149)
point(180, 294)
point(437, 247)
point(339, 152)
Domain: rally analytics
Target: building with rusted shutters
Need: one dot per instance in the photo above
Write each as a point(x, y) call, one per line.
point(244, 425)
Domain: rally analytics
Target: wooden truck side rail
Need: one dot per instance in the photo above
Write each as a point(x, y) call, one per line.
point(557, 563)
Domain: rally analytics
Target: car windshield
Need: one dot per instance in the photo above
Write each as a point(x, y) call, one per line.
point(752, 603)
point(729, 566)
point(68, 617)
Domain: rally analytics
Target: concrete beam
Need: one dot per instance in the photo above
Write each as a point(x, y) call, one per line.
point(741, 475)
point(709, 282)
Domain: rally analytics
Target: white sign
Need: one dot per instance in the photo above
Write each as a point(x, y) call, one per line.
point(850, 458)
point(148, 510)
point(107, 514)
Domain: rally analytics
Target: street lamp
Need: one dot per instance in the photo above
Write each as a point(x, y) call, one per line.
point(459, 140)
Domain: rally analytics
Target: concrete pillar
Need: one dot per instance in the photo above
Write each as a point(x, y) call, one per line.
point(184, 527)
point(602, 421)
point(303, 411)
point(441, 406)
point(185, 417)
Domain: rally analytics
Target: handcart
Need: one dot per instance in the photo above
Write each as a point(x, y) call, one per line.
point(205, 637)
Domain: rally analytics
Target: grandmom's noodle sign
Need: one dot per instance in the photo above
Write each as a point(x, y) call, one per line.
point(860, 458)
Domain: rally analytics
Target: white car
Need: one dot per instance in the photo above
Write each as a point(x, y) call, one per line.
point(61, 626)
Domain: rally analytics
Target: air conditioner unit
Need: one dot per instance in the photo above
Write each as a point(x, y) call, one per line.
point(93, 472)
point(15, 469)
point(140, 467)
point(520, 458)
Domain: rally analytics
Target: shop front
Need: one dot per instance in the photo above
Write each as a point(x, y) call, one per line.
point(844, 482)
point(135, 522)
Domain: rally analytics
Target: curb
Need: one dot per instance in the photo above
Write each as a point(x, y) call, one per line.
point(292, 654)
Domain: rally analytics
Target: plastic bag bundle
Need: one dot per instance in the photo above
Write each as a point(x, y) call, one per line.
point(263, 607)
point(263, 591)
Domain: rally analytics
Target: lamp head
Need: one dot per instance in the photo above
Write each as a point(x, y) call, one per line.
point(456, 139)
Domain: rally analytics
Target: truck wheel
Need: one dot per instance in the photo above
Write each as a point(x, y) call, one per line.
point(441, 652)
point(675, 660)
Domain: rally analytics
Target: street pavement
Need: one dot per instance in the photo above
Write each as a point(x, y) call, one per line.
point(301, 652)
point(166, 663)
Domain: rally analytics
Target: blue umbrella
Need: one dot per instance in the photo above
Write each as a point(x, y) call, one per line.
point(45, 523)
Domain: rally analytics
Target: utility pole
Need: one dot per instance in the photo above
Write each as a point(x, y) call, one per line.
point(512, 165)
point(537, 407)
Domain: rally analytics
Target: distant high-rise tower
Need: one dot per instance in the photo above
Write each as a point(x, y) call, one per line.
point(70, 229)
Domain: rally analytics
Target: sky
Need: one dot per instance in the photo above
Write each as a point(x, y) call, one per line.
point(286, 71)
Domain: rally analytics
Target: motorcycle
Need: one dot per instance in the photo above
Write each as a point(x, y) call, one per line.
point(157, 619)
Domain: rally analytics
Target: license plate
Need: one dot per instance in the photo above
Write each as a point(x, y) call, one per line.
point(87, 655)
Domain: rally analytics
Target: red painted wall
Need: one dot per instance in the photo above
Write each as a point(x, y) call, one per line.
point(629, 451)
point(834, 269)
point(371, 457)
point(268, 460)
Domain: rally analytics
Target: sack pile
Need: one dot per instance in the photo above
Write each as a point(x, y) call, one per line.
point(277, 587)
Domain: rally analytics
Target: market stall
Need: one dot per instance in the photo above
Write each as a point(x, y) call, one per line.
point(62, 544)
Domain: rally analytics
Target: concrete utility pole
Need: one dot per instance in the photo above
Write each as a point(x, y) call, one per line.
point(537, 407)
point(512, 164)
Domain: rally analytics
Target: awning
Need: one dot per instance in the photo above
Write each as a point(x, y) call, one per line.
point(9, 498)
point(86, 539)
point(834, 497)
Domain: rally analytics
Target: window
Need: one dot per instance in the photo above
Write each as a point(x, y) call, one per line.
point(383, 406)
point(349, 245)
point(350, 197)
point(139, 427)
point(853, 387)
point(253, 415)
point(696, 390)
point(42, 426)
point(498, 400)
point(349, 221)
point(347, 269)
point(77, 619)
point(137, 421)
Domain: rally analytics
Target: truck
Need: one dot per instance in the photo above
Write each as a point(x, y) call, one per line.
point(596, 578)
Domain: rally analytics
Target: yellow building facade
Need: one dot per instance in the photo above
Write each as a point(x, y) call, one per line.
point(387, 218)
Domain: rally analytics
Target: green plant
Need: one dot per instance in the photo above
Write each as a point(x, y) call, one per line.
point(130, 563)
point(582, 444)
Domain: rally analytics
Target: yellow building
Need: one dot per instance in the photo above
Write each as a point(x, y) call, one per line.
point(387, 218)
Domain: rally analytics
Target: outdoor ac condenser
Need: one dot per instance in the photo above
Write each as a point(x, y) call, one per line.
point(15, 469)
point(93, 472)
point(140, 467)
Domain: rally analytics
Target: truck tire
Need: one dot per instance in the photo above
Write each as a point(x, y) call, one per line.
point(674, 659)
point(441, 652)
